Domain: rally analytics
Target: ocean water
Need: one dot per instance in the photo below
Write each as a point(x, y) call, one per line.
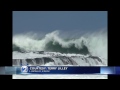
point(86, 50)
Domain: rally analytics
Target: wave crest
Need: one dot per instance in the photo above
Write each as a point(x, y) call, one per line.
point(95, 44)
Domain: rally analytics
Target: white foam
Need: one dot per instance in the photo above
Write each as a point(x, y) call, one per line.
point(60, 76)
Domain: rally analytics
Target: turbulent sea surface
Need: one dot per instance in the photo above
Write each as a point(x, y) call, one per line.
point(87, 50)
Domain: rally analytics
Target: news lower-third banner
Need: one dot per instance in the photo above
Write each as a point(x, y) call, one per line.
point(58, 70)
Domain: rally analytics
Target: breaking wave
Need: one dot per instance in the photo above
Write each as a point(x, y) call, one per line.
point(93, 44)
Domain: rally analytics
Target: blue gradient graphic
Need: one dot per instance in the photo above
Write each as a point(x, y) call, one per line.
point(107, 70)
point(62, 70)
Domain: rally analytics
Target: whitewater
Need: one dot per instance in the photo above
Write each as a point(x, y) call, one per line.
point(52, 49)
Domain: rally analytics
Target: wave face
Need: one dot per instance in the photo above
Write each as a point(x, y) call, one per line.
point(54, 58)
point(56, 47)
point(89, 44)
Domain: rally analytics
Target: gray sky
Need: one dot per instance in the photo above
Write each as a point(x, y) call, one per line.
point(48, 21)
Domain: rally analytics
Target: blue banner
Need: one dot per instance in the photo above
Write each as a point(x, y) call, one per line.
point(58, 70)
point(117, 70)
